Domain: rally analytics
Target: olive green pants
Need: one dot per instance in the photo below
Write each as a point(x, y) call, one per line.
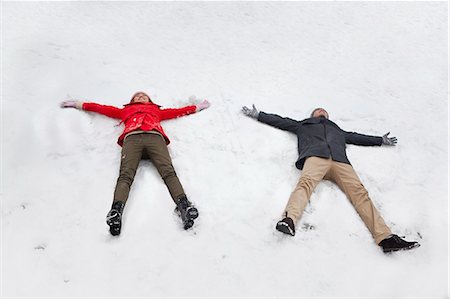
point(316, 169)
point(146, 146)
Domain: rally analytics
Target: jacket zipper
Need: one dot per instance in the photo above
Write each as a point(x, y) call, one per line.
point(326, 139)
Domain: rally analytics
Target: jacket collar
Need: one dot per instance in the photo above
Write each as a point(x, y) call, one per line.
point(317, 120)
point(139, 103)
point(313, 120)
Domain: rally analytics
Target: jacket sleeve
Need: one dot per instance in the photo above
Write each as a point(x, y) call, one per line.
point(283, 123)
point(106, 110)
point(361, 139)
point(177, 112)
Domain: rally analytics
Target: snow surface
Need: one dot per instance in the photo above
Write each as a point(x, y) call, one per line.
point(375, 66)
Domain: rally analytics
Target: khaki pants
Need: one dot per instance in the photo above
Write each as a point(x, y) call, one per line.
point(143, 146)
point(316, 169)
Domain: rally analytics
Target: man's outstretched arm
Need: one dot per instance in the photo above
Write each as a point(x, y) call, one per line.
point(283, 123)
point(367, 140)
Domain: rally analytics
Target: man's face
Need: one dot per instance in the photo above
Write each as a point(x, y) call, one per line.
point(141, 98)
point(318, 112)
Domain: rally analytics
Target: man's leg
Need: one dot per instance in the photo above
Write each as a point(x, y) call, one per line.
point(346, 178)
point(313, 172)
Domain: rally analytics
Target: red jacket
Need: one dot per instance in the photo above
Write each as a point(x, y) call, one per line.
point(139, 116)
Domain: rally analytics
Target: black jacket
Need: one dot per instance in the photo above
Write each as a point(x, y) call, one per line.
point(319, 137)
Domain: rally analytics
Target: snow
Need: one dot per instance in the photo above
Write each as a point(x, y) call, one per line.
point(375, 66)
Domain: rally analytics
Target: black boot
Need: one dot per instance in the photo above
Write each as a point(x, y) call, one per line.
point(286, 226)
point(395, 243)
point(114, 217)
point(186, 211)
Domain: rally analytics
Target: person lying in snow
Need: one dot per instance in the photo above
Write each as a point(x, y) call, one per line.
point(322, 155)
point(143, 138)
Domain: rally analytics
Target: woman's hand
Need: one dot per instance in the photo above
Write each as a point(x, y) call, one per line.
point(203, 105)
point(72, 104)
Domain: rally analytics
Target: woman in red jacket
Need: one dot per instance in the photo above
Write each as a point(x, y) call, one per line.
point(143, 138)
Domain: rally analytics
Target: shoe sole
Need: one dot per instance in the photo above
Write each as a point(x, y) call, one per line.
point(114, 230)
point(401, 249)
point(114, 223)
point(192, 213)
point(188, 224)
point(284, 228)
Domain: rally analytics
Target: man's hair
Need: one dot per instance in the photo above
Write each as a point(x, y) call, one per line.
point(312, 113)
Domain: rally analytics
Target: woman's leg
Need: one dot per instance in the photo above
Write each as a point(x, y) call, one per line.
point(131, 155)
point(156, 149)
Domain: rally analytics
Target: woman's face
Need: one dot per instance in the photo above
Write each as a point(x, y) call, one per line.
point(140, 97)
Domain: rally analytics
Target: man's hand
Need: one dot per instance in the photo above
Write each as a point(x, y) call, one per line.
point(253, 113)
point(389, 140)
point(203, 105)
point(71, 104)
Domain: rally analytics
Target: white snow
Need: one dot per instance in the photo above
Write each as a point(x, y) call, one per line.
point(375, 66)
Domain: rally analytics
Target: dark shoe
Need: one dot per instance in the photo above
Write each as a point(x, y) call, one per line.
point(114, 218)
point(395, 243)
point(187, 212)
point(286, 226)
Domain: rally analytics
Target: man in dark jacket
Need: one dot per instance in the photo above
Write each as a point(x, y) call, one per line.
point(322, 155)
